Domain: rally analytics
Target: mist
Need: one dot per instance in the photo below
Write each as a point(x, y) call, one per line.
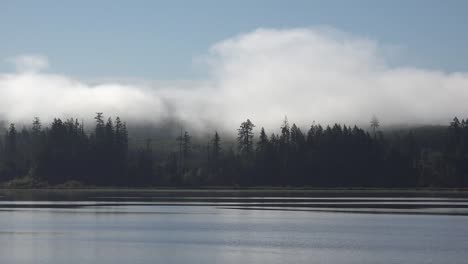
point(307, 74)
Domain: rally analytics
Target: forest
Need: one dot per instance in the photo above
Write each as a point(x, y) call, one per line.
point(64, 153)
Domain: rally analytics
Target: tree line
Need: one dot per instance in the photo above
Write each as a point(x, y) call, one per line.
point(330, 156)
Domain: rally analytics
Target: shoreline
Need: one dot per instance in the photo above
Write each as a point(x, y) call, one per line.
point(247, 192)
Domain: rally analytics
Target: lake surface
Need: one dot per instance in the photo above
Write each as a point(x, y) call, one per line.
point(212, 227)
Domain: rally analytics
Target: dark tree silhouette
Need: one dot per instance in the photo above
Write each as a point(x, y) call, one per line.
point(375, 124)
point(262, 144)
point(216, 147)
point(245, 137)
point(11, 140)
point(186, 145)
point(335, 156)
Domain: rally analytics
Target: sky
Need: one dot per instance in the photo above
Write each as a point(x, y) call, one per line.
point(330, 61)
point(162, 39)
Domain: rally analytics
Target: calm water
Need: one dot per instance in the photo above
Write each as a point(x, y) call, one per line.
point(230, 230)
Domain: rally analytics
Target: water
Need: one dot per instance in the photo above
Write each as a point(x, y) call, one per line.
point(104, 229)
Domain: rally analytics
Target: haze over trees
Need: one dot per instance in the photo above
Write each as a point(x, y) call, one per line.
point(337, 155)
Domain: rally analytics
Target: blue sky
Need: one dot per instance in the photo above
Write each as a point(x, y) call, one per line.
point(159, 40)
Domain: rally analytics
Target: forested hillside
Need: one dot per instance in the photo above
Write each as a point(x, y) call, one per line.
point(323, 156)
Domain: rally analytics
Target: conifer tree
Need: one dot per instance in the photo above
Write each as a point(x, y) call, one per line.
point(216, 147)
point(245, 137)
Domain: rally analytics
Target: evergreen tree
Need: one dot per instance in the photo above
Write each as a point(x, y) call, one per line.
point(375, 124)
point(100, 127)
point(36, 126)
point(11, 140)
point(216, 147)
point(245, 137)
point(186, 146)
point(297, 138)
point(262, 144)
point(285, 132)
point(109, 133)
point(338, 156)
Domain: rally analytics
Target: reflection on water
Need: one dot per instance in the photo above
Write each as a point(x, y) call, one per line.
point(159, 229)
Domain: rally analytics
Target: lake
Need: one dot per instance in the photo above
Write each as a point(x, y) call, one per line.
point(212, 226)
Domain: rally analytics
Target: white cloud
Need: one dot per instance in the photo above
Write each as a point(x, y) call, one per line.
point(25, 95)
point(306, 74)
point(328, 76)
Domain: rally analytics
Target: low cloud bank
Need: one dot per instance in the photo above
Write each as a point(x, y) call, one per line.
point(310, 74)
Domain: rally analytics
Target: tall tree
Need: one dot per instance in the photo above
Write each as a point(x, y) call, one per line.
point(186, 145)
point(216, 147)
point(375, 124)
point(109, 129)
point(36, 126)
point(245, 137)
point(11, 140)
point(297, 138)
point(121, 138)
point(285, 132)
point(100, 127)
point(262, 144)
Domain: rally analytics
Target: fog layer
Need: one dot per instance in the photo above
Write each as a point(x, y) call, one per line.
point(306, 74)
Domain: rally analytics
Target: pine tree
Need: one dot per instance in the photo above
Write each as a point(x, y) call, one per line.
point(121, 138)
point(11, 140)
point(297, 138)
point(186, 146)
point(100, 127)
point(245, 137)
point(262, 144)
point(216, 147)
point(110, 136)
point(36, 126)
point(375, 124)
point(285, 132)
